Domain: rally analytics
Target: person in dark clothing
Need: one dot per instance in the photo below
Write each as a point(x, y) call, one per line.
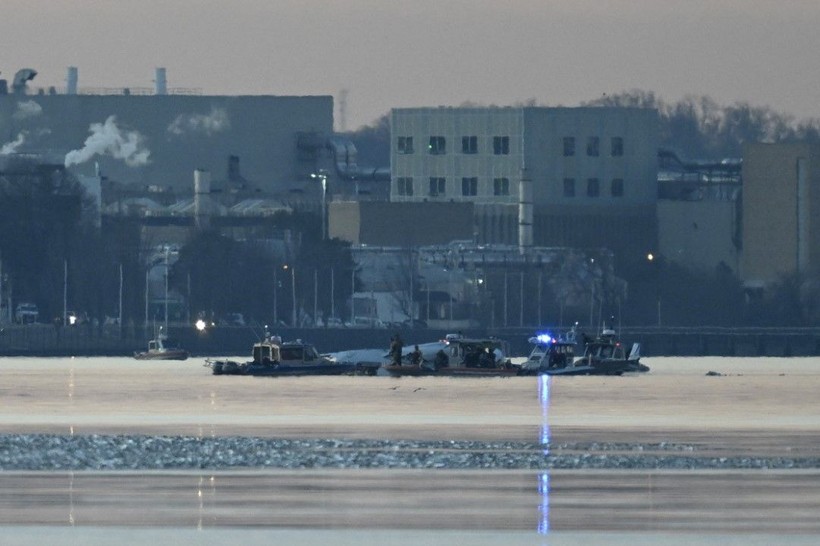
point(396, 347)
point(441, 360)
point(415, 357)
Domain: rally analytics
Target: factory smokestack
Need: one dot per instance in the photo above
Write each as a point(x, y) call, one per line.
point(524, 213)
point(71, 81)
point(202, 198)
point(160, 84)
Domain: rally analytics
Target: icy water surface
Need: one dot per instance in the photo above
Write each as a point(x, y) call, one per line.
point(620, 439)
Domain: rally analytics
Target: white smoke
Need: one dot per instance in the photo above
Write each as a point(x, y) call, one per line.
point(108, 139)
point(28, 109)
point(214, 122)
point(11, 147)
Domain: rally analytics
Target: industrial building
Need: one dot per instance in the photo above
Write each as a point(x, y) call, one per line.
point(157, 136)
point(781, 202)
point(592, 171)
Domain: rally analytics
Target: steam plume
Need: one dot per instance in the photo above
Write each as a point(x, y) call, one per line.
point(108, 139)
point(209, 124)
point(27, 109)
point(11, 147)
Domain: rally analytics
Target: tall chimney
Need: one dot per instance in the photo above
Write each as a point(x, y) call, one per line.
point(524, 213)
point(202, 198)
point(160, 84)
point(71, 81)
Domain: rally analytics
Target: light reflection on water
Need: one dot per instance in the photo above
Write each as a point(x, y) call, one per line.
point(544, 384)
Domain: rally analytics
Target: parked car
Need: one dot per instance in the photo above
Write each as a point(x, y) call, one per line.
point(26, 313)
point(334, 322)
point(366, 322)
point(74, 318)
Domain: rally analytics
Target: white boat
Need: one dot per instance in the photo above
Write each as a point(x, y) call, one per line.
point(162, 348)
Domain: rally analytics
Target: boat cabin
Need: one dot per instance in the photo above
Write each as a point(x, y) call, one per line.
point(605, 350)
point(266, 351)
point(475, 353)
point(298, 352)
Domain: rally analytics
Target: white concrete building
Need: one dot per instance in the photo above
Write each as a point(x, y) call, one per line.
point(592, 172)
point(590, 157)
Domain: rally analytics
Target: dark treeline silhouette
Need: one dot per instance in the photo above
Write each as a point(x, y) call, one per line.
point(229, 276)
point(52, 252)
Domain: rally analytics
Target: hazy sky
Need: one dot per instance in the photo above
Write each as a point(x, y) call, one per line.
point(428, 52)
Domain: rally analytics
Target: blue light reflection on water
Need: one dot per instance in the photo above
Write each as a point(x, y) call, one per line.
point(544, 384)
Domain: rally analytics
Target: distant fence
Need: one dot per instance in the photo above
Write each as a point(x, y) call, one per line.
point(46, 340)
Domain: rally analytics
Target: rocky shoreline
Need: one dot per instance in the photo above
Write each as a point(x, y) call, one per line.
point(43, 452)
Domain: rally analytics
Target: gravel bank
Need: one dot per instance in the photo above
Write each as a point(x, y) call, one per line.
point(34, 452)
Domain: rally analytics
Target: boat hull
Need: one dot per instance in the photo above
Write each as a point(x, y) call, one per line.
point(449, 371)
point(162, 355)
point(221, 367)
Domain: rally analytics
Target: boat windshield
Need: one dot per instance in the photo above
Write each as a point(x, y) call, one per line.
point(292, 353)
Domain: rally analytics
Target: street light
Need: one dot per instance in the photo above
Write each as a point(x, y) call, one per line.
point(322, 176)
point(651, 259)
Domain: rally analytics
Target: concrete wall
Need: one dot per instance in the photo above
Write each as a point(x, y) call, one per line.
point(545, 130)
point(261, 130)
point(698, 234)
point(400, 224)
point(453, 124)
point(780, 231)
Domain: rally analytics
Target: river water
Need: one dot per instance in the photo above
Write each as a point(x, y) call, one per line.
point(751, 407)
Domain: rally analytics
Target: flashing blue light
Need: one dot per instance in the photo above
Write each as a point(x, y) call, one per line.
point(544, 338)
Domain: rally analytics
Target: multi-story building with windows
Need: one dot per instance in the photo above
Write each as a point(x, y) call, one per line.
point(593, 170)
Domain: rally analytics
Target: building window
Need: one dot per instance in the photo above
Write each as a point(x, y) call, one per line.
point(569, 187)
point(569, 146)
point(617, 146)
point(438, 145)
point(593, 188)
point(469, 145)
point(501, 145)
point(469, 186)
point(437, 186)
point(617, 187)
point(501, 186)
point(404, 185)
point(593, 146)
point(405, 145)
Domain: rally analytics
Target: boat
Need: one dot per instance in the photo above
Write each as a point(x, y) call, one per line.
point(549, 353)
point(603, 355)
point(455, 355)
point(272, 357)
point(162, 348)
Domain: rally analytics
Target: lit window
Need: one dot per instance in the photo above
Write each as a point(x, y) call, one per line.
point(501, 145)
point(501, 186)
point(593, 146)
point(617, 146)
point(569, 146)
point(405, 145)
point(593, 187)
point(437, 186)
point(404, 185)
point(438, 145)
point(469, 145)
point(617, 187)
point(569, 187)
point(469, 186)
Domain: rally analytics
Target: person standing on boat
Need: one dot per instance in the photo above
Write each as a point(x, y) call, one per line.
point(396, 347)
point(415, 357)
point(441, 360)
